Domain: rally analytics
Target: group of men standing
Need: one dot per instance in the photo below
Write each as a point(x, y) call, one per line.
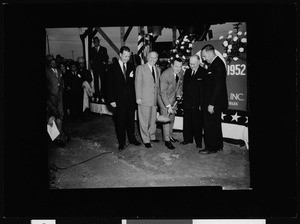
point(203, 91)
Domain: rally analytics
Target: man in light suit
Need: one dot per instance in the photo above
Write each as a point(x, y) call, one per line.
point(146, 88)
point(170, 90)
point(55, 112)
point(215, 100)
point(121, 96)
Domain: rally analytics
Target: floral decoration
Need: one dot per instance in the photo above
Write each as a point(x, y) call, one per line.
point(235, 46)
point(182, 49)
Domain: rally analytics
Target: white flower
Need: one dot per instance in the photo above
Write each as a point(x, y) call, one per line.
point(245, 33)
point(174, 50)
point(235, 39)
point(230, 31)
point(230, 46)
point(229, 36)
point(182, 42)
point(221, 37)
point(229, 50)
point(244, 40)
point(239, 33)
point(225, 43)
point(188, 51)
point(177, 56)
point(190, 45)
point(183, 57)
point(172, 58)
point(235, 58)
point(224, 55)
point(182, 47)
point(177, 41)
point(241, 49)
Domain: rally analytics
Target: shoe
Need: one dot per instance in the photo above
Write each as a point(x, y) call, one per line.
point(148, 145)
point(198, 145)
point(121, 147)
point(155, 140)
point(184, 143)
point(207, 151)
point(169, 145)
point(135, 143)
point(173, 139)
point(60, 143)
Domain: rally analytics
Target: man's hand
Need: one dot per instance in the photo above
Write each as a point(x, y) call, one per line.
point(170, 111)
point(210, 109)
point(178, 98)
point(51, 120)
point(113, 104)
point(139, 101)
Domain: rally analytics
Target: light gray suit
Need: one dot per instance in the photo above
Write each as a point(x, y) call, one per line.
point(169, 90)
point(147, 90)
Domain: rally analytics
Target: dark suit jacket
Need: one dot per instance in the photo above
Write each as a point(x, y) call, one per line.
point(99, 59)
point(118, 90)
point(193, 88)
point(215, 90)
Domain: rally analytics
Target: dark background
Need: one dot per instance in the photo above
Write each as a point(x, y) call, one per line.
point(271, 31)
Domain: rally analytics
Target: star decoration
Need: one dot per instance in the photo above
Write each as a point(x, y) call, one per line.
point(222, 116)
point(246, 120)
point(235, 117)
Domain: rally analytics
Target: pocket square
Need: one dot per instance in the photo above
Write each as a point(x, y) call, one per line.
point(131, 74)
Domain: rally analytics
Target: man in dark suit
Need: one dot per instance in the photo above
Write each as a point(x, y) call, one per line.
point(121, 96)
point(215, 100)
point(192, 102)
point(99, 60)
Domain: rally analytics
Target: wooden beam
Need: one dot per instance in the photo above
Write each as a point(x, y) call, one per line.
point(205, 30)
point(127, 33)
point(174, 29)
point(108, 40)
point(122, 32)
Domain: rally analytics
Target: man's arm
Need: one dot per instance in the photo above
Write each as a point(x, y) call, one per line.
point(138, 84)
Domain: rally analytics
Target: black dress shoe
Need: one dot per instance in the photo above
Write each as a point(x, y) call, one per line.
point(198, 145)
point(169, 145)
point(121, 147)
point(155, 140)
point(206, 151)
point(173, 139)
point(148, 145)
point(135, 143)
point(60, 143)
point(184, 143)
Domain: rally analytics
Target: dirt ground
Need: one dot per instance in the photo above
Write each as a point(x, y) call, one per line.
point(92, 160)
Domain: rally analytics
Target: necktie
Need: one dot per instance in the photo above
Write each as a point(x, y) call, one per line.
point(177, 78)
point(193, 73)
point(153, 74)
point(124, 70)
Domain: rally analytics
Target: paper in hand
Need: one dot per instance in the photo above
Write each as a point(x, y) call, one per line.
point(53, 131)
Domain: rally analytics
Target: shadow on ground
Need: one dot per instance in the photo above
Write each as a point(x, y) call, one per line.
point(91, 160)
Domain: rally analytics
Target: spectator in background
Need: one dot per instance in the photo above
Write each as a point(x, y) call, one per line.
point(66, 90)
point(76, 93)
point(87, 82)
point(114, 60)
point(55, 111)
point(99, 60)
